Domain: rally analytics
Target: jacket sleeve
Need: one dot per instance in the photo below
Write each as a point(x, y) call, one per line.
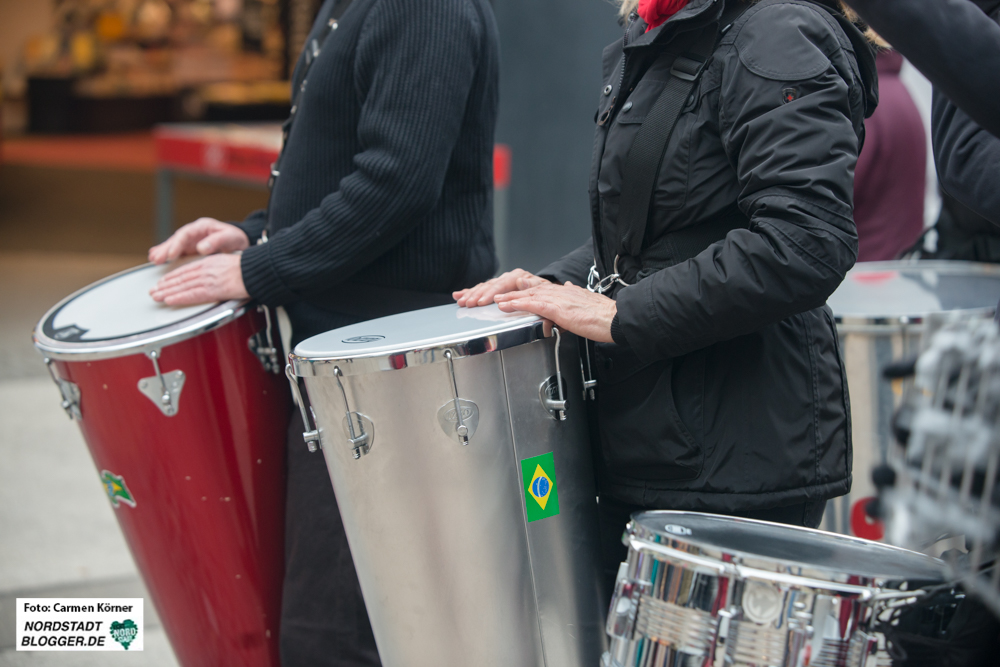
point(574, 267)
point(967, 157)
point(254, 224)
point(952, 42)
point(795, 166)
point(414, 66)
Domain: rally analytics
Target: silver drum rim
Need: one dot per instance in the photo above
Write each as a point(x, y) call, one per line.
point(731, 562)
point(913, 322)
point(215, 317)
point(459, 347)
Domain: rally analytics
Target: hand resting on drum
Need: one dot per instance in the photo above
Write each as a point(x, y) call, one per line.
point(209, 280)
point(204, 236)
point(213, 279)
point(568, 307)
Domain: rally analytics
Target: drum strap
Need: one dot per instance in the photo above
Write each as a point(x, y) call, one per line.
point(642, 164)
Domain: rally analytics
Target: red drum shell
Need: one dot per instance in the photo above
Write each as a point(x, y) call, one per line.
point(207, 530)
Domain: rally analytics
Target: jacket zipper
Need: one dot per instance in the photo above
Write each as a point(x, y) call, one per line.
point(621, 79)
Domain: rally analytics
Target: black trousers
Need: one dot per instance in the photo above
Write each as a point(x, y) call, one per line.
point(324, 622)
point(613, 515)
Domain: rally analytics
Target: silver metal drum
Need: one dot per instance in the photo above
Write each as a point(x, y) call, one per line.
point(465, 484)
point(705, 590)
point(880, 310)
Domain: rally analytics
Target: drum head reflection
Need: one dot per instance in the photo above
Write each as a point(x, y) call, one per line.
point(915, 289)
point(116, 308)
point(792, 545)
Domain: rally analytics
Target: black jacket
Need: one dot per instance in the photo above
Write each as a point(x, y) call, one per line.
point(952, 42)
point(386, 174)
point(725, 389)
point(967, 156)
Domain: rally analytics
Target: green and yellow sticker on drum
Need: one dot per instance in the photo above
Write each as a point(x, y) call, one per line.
point(541, 493)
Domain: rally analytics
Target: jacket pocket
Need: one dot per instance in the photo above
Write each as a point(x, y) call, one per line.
point(642, 433)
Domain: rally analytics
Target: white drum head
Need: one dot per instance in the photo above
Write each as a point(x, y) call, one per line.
point(117, 314)
point(419, 336)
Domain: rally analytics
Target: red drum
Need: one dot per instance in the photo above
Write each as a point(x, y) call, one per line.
point(185, 415)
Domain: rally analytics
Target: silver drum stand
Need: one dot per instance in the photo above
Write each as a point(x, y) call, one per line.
point(880, 310)
point(701, 590)
point(457, 443)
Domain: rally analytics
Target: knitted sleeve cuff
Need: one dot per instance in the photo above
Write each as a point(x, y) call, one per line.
point(261, 280)
point(617, 333)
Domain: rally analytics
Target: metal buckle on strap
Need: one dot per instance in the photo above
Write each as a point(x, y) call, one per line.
point(686, 69)
point(601, 285)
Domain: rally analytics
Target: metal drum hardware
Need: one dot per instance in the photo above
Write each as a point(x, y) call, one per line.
point(550, 392)
point(460, 417)
point(163, 389)
point(587, 373)
point(700, 589)
point(311, 434)
point(359, 439)
point(69, 391)
point(480, 555)
point(262, 344)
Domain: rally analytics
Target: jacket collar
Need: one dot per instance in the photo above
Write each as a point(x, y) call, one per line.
point(696, 14)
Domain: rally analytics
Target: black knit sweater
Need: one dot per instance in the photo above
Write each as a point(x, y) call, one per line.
point(386, 174)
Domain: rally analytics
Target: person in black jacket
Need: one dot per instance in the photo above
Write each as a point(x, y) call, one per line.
point(952, 42)
point(721, 386)
point(380, 203)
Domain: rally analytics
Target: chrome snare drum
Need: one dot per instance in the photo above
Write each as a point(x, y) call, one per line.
point(701, 589)
point(464, 477)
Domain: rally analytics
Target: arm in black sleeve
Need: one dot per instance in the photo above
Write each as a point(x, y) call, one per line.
point(795, 165)
point(952, 42)
point(254, 224)
point(968, 159)
point(574, 267)
point(415, 64)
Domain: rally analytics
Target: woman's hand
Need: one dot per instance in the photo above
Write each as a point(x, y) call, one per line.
point(568, 307)
point(204, 236)
point(209, 280)
point(483, 293)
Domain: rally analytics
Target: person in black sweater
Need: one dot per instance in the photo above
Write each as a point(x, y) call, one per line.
point(380, 203)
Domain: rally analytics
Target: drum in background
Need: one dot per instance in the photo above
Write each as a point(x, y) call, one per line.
point(463, 471)
point(186, 427)
point(880, 310)
point(701, 589)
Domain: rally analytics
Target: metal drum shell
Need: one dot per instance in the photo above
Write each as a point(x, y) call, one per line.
point(452, 573)
point(875, 333)
point(680, 595)
point(207, 528)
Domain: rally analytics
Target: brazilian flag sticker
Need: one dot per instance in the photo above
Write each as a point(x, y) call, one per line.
point(541, 495)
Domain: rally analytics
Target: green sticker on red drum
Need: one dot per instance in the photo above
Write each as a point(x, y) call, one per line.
point(116, 489)
point(541, 492)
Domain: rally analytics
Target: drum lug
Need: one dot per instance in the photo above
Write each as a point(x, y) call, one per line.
point(459, 417)
point(359, 438)
point(164, 390)
point(311, 435)
point(70, 392)
point(262, 344)
point(625, 608)
point(587, 373)
point(550, 392)
point(719, 649)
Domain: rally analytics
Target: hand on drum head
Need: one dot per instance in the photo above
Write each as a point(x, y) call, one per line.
point(210, 280)
point(204, 236)
point(484, 293)
point(568, 307)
